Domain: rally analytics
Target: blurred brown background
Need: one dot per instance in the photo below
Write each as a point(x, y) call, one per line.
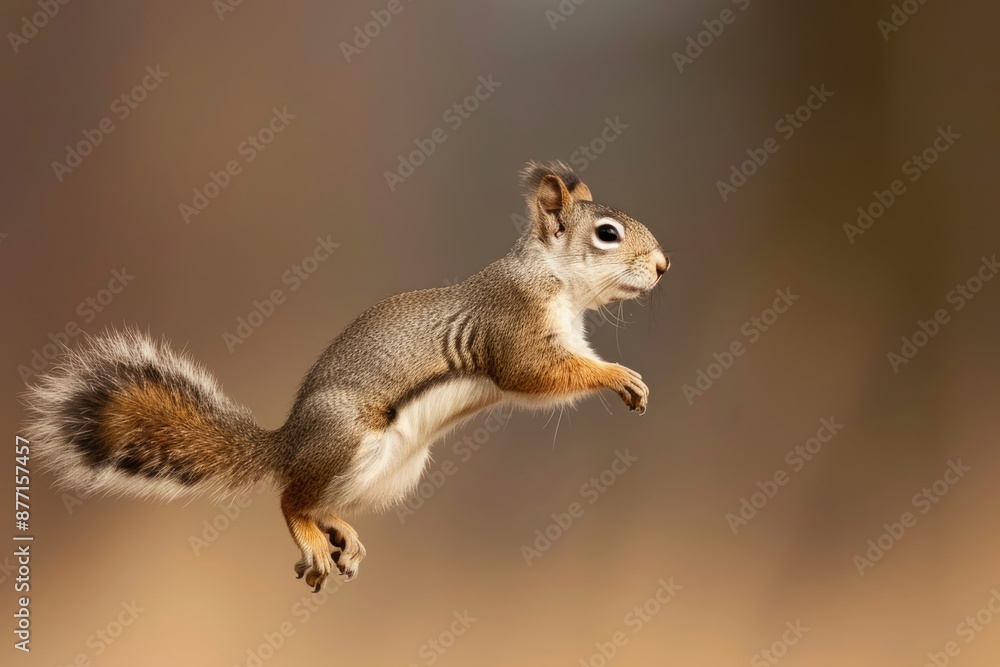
point(665, 518)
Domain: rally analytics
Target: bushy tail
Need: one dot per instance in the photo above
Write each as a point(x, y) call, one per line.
point(126, 414)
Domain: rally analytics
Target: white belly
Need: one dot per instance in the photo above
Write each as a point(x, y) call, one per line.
point(389, 465)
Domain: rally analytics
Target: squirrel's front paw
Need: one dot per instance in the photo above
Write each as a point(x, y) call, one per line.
point(631, 388)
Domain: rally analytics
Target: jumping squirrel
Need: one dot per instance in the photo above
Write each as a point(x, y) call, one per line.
point(126, 414)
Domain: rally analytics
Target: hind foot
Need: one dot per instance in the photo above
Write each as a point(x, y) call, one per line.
point(315, 567)
point(348, 548)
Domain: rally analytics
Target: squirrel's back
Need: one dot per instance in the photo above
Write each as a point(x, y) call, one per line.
point(126, 414)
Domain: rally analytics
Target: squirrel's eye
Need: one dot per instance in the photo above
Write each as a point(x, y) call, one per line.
point(608, 234)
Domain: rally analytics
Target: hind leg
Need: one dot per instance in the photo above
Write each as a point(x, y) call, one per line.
point(345, 538)
point(321, 464)
point(316, 563)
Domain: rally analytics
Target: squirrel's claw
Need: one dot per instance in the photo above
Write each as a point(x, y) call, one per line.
point(632, 389)
point(348, 552)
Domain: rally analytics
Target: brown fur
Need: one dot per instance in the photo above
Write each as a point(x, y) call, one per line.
point(141, 411)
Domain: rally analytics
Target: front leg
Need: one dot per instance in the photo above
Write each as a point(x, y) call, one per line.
point(572, 374)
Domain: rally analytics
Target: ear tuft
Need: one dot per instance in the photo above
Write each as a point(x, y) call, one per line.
point(534, 172)
point(552, 195)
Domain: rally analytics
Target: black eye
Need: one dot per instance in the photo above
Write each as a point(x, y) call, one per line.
point(608, 234)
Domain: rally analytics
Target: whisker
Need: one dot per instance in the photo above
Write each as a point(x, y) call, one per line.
point(606, 315)
point(603, 285)
point(619, 317)
point(617, 329)
point(556, 434)
point(657, 294)
point(508, 417)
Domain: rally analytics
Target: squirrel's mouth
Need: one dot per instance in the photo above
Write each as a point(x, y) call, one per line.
point(630, 291)
point(628, 286)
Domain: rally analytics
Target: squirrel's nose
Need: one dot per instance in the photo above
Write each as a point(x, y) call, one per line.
point(662, 263)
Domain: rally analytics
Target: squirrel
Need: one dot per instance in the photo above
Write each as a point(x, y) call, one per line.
point(125, 414)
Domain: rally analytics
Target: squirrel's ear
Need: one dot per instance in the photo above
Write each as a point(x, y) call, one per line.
point(581, 192)
point(552, 201)
point(533, 173)
point(552, 195)
point(551, 192)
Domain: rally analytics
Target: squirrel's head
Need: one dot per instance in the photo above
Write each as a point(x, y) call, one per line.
point(600, 253)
